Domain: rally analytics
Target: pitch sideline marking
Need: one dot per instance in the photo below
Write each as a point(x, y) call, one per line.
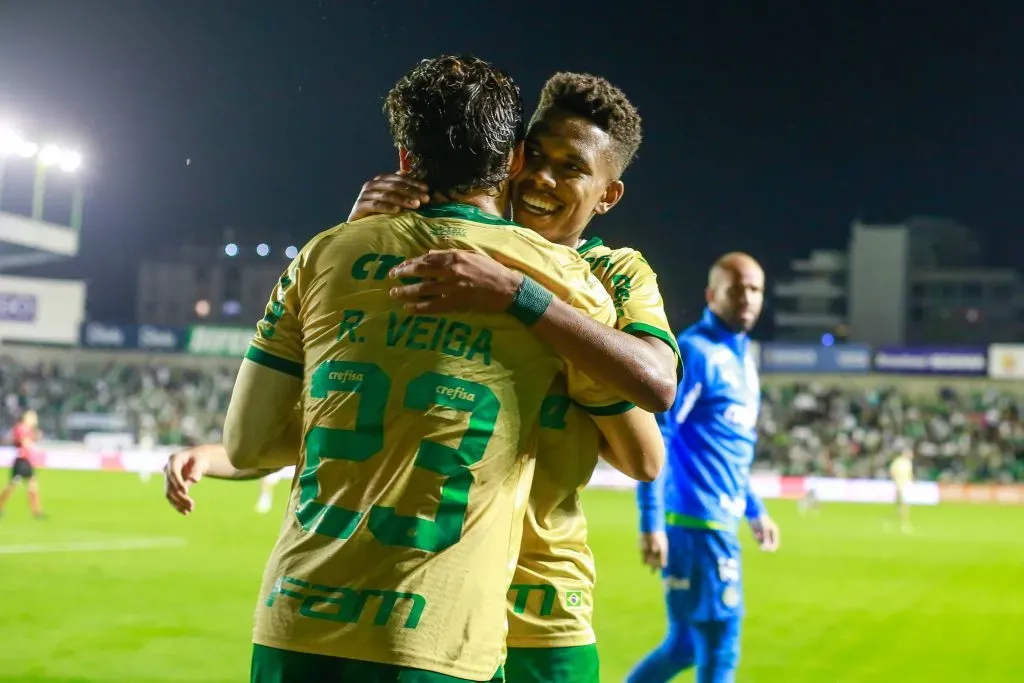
point(93, 546)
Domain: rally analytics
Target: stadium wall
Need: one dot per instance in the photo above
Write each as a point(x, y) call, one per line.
point(769, 486)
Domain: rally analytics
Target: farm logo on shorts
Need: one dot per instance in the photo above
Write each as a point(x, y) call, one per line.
point(573, 599)
point(730, 596)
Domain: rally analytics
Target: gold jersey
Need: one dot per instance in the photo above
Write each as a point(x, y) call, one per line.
point(551, 596)
point(402, 528)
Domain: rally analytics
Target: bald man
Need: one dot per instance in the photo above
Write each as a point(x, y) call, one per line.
point(689, 515)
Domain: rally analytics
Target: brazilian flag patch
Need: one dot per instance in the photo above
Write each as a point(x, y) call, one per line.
point(573, 600)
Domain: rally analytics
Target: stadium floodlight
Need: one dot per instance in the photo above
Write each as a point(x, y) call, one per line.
point(291, 252)
point(14, 144)
point(262, 249)
point(231, 249)
point(11, 141)
point(70, 161)
point(50, 155)
point(28, 149)
point(67, 160)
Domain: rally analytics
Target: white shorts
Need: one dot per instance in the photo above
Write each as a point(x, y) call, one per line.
point(286, 473)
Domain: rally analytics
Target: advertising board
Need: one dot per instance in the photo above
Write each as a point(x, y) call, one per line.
point(209, 340)
point(41, 310)
point(931, 361)
point(1006, 361)
point(153, 338)
point(843, 358)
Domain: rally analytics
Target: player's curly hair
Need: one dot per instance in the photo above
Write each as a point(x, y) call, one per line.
point(459, 118)
point(598, 101)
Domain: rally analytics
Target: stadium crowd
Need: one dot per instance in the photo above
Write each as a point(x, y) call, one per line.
point(158, 404)
point(806, 429)
point(957, 436)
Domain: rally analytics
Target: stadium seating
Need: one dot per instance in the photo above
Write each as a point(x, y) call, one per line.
point(959, 434)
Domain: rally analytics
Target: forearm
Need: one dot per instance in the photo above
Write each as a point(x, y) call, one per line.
point(627, 364)
point(650, 498)
point(221, 468)
point(755, 507)
point(633, 443)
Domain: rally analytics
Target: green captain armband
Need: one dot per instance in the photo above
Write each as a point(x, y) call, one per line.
point(530, 302)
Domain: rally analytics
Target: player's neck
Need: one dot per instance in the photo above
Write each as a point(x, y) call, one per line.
point(487, 203)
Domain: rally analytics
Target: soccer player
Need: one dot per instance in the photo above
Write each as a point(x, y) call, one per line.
point(902, 472)
point(689, 515)
point(266, 499)
point(25, 435)
point(583, 135)
point(403, 525)
point(809, 502)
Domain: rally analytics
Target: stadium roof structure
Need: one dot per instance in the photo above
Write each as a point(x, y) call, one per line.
point(26, 242)
point(30, 239)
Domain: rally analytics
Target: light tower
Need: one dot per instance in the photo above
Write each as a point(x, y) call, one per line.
point(28, 240)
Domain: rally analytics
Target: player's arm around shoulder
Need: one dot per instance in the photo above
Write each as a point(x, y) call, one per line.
point(634, 443)
point(582, 328)
point(551, 290)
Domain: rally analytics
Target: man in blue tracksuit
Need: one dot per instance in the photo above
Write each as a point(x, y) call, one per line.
point(690, 514)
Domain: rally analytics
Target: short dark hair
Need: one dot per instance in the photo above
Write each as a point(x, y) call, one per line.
point(597, 100)
point(459, 118)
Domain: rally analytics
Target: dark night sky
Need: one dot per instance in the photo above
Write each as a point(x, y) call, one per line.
point(769, 126)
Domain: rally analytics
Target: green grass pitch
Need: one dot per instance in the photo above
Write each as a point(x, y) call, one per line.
point(115, 586)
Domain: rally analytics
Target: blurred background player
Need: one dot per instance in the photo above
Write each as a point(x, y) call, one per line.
point(266, 500)
point(809, 502)
point(902, 472)
point(689, 515)
point(25, 435)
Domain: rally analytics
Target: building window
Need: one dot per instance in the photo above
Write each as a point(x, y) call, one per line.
point(917, 290)
point(917, 313)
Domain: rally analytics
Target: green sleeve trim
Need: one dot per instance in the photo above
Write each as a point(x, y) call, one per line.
point(637, 329)
point(269, 360)
point(589, 244)
point(607, 411)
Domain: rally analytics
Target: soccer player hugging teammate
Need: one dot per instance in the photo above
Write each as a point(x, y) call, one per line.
point(583, 135)
point(403, 526)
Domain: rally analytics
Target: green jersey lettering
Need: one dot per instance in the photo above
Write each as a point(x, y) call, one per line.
point(347, 605)
point(523, 590)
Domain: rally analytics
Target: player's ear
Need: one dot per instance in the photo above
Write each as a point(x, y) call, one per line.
point(403, 161)
point(709, 295)
point(612, 194)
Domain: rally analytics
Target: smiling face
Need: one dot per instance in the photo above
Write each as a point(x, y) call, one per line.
point(570, 175)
